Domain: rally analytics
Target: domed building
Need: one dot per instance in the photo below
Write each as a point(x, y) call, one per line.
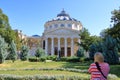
point(61, 35)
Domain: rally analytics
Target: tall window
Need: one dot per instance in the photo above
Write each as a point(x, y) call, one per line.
point(75, 26)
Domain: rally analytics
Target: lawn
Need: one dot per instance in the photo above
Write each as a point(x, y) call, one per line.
point(26, 64)
point(24, 68)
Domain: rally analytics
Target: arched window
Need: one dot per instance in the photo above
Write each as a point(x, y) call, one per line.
point(69, 25)
point(62, 25)
point(75, 26)
point(56, 25)
point(50, 26)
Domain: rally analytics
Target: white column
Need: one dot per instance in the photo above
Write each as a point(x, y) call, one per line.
point(65, 52)
point(52, 46)
point(79, 40)
point(72, 46)
point(46, 46)
point(58, 44)
point(79, 43)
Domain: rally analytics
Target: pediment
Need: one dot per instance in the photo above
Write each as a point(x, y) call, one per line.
point(63, 31)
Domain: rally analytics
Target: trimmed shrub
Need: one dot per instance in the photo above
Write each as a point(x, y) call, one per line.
point(51, 58)
point(73, 59)
point(42, 59)
point(33, 59)
point(64, 59)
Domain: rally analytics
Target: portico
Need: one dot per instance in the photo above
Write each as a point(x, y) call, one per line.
point(65, 45)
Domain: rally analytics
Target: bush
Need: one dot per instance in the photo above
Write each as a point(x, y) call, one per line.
point(73, 59)
point(51, 58)
point(84, 59)
point(70, 59)
point(64, 59)
point(33, 59)
point(42, 59)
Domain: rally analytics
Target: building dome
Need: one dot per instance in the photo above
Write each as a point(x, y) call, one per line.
point(61, 34)
point(63, 16)
point(63, 20)
point(63, 13)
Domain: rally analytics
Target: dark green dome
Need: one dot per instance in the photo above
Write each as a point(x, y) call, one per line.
point(63, 13)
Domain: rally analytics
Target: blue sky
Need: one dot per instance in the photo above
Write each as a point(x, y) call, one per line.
point(31, 15)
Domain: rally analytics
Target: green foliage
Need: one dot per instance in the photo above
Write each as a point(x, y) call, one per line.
point(84, 37)
point(80, 52)
point(95, 47)
point(42, 59)
point(33, 59)
point(53, 58)
point(70, 59)
point(59, 70)
point(115, 16)
point(24, 53)
point(40, 52)
point(3, 49)
point(6, 32)
point(114, 69)
point(114, 30)
point(109, 49)
point(13, 51)
point(87, 40)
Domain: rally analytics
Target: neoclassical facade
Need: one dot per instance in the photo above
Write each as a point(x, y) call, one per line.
point(61, 35)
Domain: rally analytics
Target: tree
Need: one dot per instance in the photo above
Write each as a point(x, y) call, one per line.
point(39, 52)
point(95, 47)
point(80, 52)
point(24, 53)
point(115, 16)
point(111, 50)
point(84, 37)
point(108, 47)
point(3, 49)
point(6, 32)
point(87, 40)
point(114, 31)
point(13, 51)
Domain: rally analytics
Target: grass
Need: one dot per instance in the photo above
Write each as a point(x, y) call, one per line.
point(26, 64)
point(114, 69)
point(48, 72)
point(20, 65)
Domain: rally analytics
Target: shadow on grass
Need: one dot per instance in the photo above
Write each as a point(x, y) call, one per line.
point(76, 65)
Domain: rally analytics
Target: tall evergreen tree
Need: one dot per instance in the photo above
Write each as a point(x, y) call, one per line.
point(13, 51)
point(80, 52)
point(3, 49)
point(40, 52)
point(24, 53)
point(108, 47)
point(111, 50)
